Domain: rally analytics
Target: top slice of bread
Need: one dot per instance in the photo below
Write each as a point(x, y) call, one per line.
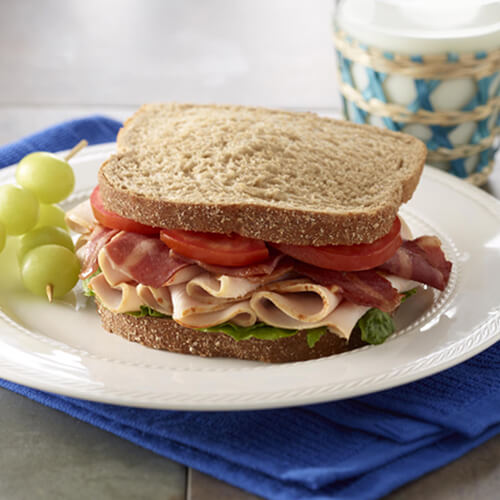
point(273, 175)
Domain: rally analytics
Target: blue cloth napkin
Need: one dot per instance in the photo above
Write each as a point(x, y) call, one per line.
point(360, 448)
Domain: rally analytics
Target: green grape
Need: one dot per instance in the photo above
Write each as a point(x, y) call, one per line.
point(43, 236)
point(51, 215)
point(51, 267)
point(18, 209)
point(3, 236)
point(50, 178)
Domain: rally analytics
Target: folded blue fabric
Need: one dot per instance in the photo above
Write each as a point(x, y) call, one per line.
point(360, 448)
point(95, 129)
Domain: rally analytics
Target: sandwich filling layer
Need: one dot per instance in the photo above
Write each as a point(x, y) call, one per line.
point(138, 274)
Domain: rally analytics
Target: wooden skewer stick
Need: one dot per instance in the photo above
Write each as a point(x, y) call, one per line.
point(49, 290)
point(76, 149)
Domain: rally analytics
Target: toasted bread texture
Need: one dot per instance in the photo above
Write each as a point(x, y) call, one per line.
point(273, 175)
point(166, 334)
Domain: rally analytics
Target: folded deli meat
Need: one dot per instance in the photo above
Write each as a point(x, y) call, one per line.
point(128, 272)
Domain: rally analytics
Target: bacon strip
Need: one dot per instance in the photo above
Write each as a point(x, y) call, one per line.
point(366, 288)
point(144, 259)
point(87, 254)
point(421, 260)
point(264, 268)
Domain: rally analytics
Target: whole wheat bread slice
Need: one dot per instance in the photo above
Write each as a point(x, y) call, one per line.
point(166, 334)
point(273, 175)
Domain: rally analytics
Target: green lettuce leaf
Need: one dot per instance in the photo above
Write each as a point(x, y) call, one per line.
point(263, 332)
point(408, 294)
point(257, 331)
point(375, 326)
point(314, 335)
point(147, 311)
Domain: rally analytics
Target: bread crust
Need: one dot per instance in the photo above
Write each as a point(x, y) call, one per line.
point(277, 225)
point(262, 221)
point(166, 334)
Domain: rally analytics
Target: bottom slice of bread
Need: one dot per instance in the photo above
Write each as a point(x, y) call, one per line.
point(166, 334)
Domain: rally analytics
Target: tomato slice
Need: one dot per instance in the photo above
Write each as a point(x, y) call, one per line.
point(212, 248)
point(348, 257)
point(115, 221)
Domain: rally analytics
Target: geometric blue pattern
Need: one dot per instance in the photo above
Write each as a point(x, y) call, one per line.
point(439, 135)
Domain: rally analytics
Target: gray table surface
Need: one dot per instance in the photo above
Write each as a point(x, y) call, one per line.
point(63, 59)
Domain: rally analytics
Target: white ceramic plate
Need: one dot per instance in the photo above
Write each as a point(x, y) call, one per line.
point(59, 349)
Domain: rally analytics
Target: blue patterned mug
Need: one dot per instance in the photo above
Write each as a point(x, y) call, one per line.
point(428, 69)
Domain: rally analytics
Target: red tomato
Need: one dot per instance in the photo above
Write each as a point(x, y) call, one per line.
point(348, 257)
point(213, 248)
point(115, 221)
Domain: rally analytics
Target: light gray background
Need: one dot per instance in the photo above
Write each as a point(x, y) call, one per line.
point(64, 59)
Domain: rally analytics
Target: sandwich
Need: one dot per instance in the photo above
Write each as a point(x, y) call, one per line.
point(231, 231)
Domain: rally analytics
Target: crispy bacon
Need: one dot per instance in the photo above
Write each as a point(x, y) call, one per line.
point(145, 259)
point(148, 261)
point(421, 260)
point(264, 268)
point(87, 254)
point(366, 288)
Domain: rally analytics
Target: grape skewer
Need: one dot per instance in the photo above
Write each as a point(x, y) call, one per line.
point(46, 256)
point(48, 177)
point(76, 149)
